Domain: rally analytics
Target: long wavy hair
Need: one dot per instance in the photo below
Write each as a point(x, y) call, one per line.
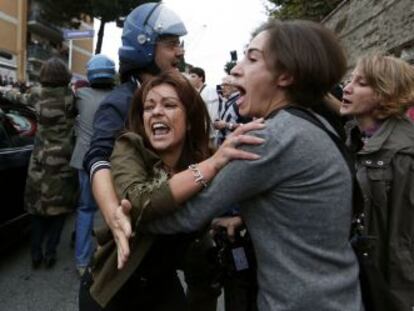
point(196, 145)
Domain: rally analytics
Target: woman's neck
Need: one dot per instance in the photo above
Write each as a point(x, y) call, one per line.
point(143, 77)
point(276, 103)
point(368, 125)
point(170, 162)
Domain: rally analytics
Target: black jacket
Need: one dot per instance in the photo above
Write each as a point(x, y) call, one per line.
point(386, 174)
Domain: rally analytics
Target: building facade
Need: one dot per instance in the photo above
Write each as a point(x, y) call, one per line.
point(26, 41)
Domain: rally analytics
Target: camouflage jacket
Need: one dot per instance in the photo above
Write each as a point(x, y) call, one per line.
point(51, 186)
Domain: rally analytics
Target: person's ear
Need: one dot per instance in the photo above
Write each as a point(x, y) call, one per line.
point(284, 79)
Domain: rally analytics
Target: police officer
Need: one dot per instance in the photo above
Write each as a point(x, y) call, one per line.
point(100, 72)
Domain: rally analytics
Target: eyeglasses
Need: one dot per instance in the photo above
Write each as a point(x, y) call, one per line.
point(171, 43)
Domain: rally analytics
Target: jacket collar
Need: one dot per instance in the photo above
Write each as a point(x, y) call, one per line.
point(394, 134)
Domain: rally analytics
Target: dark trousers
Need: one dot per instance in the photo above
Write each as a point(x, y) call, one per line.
point(139, 293)
point(154, 286)
point(237, 271)
point(49, 228)
point(199, 273)
point(240, 291)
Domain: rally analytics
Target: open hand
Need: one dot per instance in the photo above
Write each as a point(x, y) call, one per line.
point(228, 150)
point(121, 228)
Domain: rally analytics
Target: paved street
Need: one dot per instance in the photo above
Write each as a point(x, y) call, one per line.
point(24, 289)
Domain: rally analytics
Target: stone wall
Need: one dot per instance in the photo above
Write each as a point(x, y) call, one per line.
point(366, 26)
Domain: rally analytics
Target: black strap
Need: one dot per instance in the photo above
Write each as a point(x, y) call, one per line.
point(358, 205)
point(309, 116)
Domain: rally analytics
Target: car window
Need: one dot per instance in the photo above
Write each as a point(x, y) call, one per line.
point(17, 124)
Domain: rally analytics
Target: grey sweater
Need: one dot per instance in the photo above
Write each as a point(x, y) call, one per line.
point(87, 102)
point(296, 203)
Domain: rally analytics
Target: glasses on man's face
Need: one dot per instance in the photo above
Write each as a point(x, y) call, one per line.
point(172, 43)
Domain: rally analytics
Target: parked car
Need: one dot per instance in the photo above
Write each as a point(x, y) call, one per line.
point(17, 128)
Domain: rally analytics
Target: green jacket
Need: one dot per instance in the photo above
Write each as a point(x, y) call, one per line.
point(52, 185)
point(386, 175)
point(138, 177)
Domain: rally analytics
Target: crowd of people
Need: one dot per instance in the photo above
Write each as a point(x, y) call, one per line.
point(253, 189)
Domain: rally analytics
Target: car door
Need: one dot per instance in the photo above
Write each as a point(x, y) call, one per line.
point(15, 150)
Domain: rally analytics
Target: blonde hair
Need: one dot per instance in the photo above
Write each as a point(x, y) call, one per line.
point(392, 79)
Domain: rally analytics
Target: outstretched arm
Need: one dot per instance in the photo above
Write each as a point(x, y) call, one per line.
point(150, 196)
point(149, 190)
point(107, 200)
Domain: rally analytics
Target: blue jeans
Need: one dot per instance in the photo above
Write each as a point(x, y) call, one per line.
point(84, 246)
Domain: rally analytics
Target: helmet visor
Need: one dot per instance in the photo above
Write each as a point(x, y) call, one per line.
point(164, 21)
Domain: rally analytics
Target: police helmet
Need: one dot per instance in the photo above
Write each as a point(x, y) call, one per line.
point(142, 28)
point(100, 67)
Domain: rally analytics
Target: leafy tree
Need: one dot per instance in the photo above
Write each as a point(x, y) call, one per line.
point(67, 13)
point(62, 13)
point(229, 66)
point(304, 9)
point(109, 11)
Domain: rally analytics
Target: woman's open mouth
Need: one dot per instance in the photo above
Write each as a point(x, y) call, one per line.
point(160, 129)
point(346, 102)
point(242, 93)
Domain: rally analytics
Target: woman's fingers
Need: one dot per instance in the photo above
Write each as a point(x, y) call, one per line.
point(124, 217)
point(247, 140)
point(126, 206)
point(253, 125)
point(228, 150)
point(122, 248)
point(120, 258)
point(231, 224)
point(122, 231)
point(234, 154)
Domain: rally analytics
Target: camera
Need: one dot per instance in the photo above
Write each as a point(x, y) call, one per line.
point(233, 257)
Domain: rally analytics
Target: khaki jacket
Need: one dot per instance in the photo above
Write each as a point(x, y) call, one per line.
point(386, 175)
point(138, 177)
